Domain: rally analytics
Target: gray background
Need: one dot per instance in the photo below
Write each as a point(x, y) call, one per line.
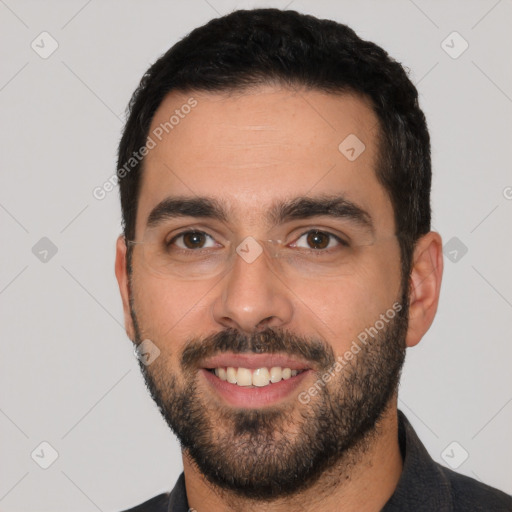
point(68, 375)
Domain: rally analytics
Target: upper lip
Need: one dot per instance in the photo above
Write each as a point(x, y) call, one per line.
point(254, 361)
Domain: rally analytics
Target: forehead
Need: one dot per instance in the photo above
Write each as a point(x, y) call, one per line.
point(250, 149)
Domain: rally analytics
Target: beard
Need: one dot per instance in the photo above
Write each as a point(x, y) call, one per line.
point(277, 451)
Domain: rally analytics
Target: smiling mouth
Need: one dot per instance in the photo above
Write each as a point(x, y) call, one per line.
point(259, 377)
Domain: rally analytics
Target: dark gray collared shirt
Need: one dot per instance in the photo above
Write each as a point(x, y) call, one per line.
point(424, 486)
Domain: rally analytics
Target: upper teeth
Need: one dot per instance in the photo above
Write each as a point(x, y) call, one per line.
point(259, 377)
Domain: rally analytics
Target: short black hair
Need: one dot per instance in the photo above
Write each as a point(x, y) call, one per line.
point(247, 48)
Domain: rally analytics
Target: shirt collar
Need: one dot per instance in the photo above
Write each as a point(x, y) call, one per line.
point(422, 485)
point(178, 498)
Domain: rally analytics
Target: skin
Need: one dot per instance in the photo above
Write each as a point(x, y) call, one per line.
point(252, 149)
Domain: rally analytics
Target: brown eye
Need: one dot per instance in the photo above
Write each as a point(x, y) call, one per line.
point(192, 240)
point(318, 240)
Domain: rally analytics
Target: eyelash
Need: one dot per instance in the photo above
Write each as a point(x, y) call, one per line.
point(317, 252)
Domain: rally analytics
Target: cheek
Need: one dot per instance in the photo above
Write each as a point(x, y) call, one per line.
point(168, 309)
point(339, 309)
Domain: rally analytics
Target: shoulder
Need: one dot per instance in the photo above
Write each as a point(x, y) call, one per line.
point(425, 485)
point(159, 503)
point(469, 494)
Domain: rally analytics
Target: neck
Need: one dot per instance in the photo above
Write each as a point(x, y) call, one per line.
point(363, 480)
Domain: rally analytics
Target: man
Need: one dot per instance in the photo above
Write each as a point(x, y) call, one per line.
point(276, 262)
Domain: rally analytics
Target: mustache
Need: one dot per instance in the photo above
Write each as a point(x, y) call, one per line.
point(269, 341)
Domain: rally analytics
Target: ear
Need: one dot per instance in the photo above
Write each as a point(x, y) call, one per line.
point(425, 285)
point(124, 288)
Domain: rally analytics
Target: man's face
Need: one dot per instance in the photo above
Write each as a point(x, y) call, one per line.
point(300, 301)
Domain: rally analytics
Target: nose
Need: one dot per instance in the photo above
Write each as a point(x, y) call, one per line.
point(253, 297)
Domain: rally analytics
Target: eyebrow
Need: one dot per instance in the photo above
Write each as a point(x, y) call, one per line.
point(335, 206)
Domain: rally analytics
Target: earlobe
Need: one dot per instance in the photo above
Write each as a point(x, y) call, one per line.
point(425, 286)
point(124, 288)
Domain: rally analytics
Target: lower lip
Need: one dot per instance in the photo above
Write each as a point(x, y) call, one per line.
point(252, 397)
